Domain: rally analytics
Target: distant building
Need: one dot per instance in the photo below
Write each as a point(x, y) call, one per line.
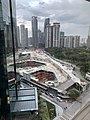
point(30, 42)
point(23, 36)
point(83, 42)
point(26, 40)
point(72, 41)
point(47, 22)
point(61, 39)
point(56, 34)
point(34, 32)
point(40, 39)
point(48, 36)
point(88, 39)
point(76, 41)
point(66, 42)
point(18, 37)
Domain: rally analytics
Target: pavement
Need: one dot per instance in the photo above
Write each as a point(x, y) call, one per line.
point(83, 114)
point(76, 106)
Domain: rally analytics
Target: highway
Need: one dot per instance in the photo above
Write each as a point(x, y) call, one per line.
point(84, 114)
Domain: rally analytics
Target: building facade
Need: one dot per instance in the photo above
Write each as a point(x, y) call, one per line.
point(47, 22)
point(61, 39)
point(56, 34)
point(23, 36)
point(18, 37)
point(72, 41)
point(48, 36)
point(88, 39)
point(40, 39)
point(34, 32)
point(26, 43)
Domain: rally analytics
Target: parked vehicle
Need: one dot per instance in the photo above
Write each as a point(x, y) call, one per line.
point(51, 95)
point(59, 99)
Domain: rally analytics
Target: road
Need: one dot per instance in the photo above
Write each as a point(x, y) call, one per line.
point(84, 114)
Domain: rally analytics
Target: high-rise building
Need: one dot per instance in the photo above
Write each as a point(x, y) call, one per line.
point(34, 32)
point(66, 42)
point(22, 35)
point(40, 39)
point(88, 39)
point(72, 41)
point(48, 36)
point(61, 39)
point(76, 41)
point(26, 40)
point(29, 41)
point(56, 34)
point(18, 36)
point(47, 22)
point(5, 48)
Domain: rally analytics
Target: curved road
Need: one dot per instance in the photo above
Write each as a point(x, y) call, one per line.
point(84, 115)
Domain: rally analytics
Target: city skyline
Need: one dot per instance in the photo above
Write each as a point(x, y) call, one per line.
point(72, 15)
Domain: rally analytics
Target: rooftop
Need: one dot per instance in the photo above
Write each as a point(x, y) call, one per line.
point(27, 100)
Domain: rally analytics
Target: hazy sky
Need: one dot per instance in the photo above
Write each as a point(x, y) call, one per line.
point(73, 15)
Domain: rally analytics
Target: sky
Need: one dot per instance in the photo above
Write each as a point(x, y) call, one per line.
point(73, 15)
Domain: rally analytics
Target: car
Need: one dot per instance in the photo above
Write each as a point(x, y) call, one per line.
point(59, 99)
point(51, 95)
point(46, 93)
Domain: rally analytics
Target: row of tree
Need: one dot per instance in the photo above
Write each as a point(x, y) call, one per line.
point(80, 57)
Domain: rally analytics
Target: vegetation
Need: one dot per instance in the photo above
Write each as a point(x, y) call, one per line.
point(46, 111)
point(74, 93)
point(80, 57)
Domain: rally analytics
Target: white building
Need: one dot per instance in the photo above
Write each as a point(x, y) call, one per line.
point(23, 36)
point(72, 41)
point(56, 34)
point(48, 36)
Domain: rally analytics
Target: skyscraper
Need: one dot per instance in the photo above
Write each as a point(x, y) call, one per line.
point(40, 39)
point(18, 36)
point(47, 22)
point(22, 35)
point(61, 39)
point(34, 32)
point(56, 34)
point(26, 43)
point(48, 36)
point(5, 48)
point(88, 39)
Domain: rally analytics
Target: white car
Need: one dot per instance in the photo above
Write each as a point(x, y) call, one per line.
point(59, 99)
point(51, 95)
